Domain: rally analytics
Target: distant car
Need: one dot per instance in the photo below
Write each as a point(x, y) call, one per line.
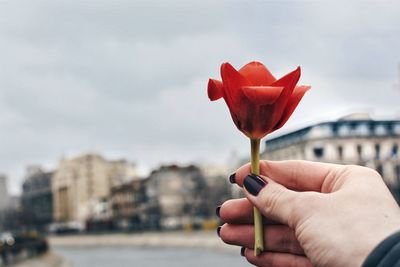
point(66, 228)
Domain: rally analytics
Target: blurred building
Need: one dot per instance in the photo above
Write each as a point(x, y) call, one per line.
point(127, 202)
point(122, 171)
point(11, 218)
point(176, 197)
point(219, 188)
point(3, 192)
point(83, 184)
point(37, 198)
point(355, 139)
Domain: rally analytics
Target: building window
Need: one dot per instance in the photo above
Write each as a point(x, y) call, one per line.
point(340, 152)
point(377, 151)
point(395, 150)
point(318, 152)
point(389, 128)
point(334, 129)
point(359, 152)
point(353, 127)
point(371, 128)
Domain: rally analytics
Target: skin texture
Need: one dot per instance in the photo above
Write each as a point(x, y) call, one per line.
point(316, 214)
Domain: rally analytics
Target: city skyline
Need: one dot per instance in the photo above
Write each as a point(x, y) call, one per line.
point(109, 78)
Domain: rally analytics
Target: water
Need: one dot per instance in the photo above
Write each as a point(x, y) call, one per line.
point(144, 257)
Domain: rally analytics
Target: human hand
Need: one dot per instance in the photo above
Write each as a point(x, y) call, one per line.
point(317, 214)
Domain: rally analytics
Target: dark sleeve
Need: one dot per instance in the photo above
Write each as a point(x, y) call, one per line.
point(386, 254)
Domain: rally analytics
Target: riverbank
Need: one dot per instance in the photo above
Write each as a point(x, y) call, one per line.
point(202, 240)
point(48, 259)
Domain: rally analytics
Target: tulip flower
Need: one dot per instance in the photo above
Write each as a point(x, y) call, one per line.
point(259, 104)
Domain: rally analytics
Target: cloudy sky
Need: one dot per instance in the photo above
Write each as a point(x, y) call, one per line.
point(128, 78)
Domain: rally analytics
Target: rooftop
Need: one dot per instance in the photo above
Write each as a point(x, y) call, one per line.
point(354, 125)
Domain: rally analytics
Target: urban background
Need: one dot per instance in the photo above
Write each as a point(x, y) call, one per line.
point(110, 151)
point(89, 193)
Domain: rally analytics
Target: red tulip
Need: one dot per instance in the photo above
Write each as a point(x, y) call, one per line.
point(259, 104)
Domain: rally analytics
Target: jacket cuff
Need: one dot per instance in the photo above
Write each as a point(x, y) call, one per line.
point(386, 254)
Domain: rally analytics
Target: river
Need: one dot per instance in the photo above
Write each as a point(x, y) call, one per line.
point(121, 256)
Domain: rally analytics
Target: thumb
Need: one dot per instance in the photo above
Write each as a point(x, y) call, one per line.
point(272, 199)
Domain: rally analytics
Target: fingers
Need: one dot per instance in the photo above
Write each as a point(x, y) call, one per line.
point(294, 174)
point(277, 238)
point(274, 259)
point(239, 211)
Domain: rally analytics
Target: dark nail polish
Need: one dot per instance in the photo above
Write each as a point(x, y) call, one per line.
point(253, 184)
point(242, 250)
point(218, 231)
point(232, 178)
point(217, 210)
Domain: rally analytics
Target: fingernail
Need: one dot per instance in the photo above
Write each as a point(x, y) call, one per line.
point(242, 250)
point(232, 178)
point(253, 184)
point(218, 231)
point(217, 210)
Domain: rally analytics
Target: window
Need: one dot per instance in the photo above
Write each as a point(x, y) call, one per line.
point(395, 150)
point(371, 128)
point(389, 128)
point(318, 152)
point(359, 151)
point(340, 152)
point(353, 127)
point(377, 151)
point(334, 129)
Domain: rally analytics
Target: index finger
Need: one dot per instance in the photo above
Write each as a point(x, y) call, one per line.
point(299, 175)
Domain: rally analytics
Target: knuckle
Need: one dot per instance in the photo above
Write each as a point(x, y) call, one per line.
point(227, 234)
point(361, 172)
point(286, 241)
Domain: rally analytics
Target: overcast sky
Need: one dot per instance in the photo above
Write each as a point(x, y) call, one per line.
point(128, 78)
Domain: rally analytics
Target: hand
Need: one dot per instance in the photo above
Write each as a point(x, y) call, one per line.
point(317, 214)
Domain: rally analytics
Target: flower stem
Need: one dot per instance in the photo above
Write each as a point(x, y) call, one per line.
point(258, 223)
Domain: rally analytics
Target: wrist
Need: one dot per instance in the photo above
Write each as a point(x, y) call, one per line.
point(386, 253)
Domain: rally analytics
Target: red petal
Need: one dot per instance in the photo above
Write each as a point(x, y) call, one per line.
point(289, 81)
point(262, 95)
point(232, 81)
point(215, 89)
point(257, 74)
point(294, 100)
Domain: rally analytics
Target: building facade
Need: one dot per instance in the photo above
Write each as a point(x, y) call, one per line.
point(82, 185)
point(219, 188)
point(37, 199)
point(127, 202)
point(3, 192)
point(176, 197)
point(355, 139)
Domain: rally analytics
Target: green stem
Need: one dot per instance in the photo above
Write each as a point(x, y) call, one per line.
point(258, 223)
